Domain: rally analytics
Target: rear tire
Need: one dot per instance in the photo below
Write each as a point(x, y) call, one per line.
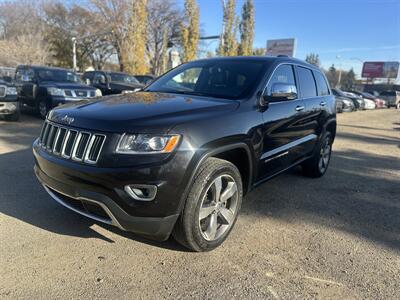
point(211, 207)
point(317, 165)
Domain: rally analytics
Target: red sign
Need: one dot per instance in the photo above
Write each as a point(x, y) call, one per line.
point(380, 69)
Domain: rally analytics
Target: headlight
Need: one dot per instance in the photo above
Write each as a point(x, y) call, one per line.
point(147, 144)
point(124, 92)
point(98, 93)
point(55, 91)
point(347, 102)
point(11, 91)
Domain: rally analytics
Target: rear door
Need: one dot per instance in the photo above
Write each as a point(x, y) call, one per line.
point(314, 105)
point(283, 131)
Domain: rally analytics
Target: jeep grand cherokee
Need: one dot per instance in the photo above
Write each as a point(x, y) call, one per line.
point(179, 156)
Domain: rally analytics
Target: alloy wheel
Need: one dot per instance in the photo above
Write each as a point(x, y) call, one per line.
point(325, 155)
point(218, 208)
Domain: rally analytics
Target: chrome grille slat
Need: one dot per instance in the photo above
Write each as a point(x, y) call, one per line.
point(80, 146)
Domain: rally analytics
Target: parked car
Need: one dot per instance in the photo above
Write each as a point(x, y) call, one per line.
point(340, 93)
point(392, 98)
point(359, 99)
point(346, 104)
point(45, 87)
point(9, 105)
point(179, 156)
point(339, 105)
point(111, 83)
point(379, 103)
point(145, 79)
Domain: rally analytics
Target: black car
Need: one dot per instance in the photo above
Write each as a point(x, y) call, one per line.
point(145, 79)
point(355, 100)
point(111, 83)
point(179, 156)
point(44, 87)
point(9, 105)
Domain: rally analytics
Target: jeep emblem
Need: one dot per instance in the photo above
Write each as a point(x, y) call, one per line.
point(67, 120)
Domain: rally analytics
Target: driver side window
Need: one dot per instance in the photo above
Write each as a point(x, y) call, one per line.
point(283, 74)
point(99, 78)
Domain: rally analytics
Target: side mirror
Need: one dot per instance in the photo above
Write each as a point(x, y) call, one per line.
point(283, 91)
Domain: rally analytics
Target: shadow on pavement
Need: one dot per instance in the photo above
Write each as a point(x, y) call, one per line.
point(23, 198)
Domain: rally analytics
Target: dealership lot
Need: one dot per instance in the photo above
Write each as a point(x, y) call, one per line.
point(337, 236)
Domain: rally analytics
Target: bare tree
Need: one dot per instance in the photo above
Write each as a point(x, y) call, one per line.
point(25, 49)
point(164, 20)
point(21, 34)
point(117, 15)
point(63, 23)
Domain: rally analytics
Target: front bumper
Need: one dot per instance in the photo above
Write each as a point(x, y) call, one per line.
point(8, 108)
point(103, 209)
point(98, 193)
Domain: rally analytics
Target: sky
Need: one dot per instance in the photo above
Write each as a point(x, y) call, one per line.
point(342, 32)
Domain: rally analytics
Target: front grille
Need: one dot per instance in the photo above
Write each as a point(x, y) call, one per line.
point(2, 91)
point(79, 93)
point(72, 144)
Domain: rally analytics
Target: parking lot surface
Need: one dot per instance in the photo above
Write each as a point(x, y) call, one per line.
point(296, 237)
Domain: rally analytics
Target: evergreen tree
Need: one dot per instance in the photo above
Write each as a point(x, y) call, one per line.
point(332, 76)
point(349, 80)
point(247, 29)
point(135, 44)
point(190, 31)
point(313, 59)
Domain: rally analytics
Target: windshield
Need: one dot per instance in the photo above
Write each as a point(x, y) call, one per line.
point(229, 79)
point(120, 77)
point(58, 76)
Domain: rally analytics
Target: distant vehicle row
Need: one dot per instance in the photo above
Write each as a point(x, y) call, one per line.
point(355, 100)
point(43, 88)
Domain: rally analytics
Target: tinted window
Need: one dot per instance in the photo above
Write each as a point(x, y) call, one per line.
point(58, 75)
point(120, 77)
point(230, 79)
point(322, 86)
point(283, 74)
point(307, 83)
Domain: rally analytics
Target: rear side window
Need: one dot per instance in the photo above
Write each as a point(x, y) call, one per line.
point(322, 86)
point(283, 74)
point(307, 83)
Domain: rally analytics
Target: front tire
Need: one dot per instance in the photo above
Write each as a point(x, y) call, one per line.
point(317, 165)
point(211, 207)
point(42, 108)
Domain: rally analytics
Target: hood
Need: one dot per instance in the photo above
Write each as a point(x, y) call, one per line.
point(141, 111)
point(125, 86)
point(66, 85)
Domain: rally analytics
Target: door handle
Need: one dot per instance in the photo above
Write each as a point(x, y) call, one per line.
point(299, 108)
point(323, 103)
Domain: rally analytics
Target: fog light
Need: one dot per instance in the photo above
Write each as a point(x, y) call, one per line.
point(141, 192)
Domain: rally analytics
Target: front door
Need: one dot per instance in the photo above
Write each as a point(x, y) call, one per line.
point(283, 129)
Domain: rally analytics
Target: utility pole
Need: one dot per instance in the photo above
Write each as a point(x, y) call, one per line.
point(75, 41)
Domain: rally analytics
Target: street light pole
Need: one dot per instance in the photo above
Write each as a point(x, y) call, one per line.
point(340, 71)
point(74, 53)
